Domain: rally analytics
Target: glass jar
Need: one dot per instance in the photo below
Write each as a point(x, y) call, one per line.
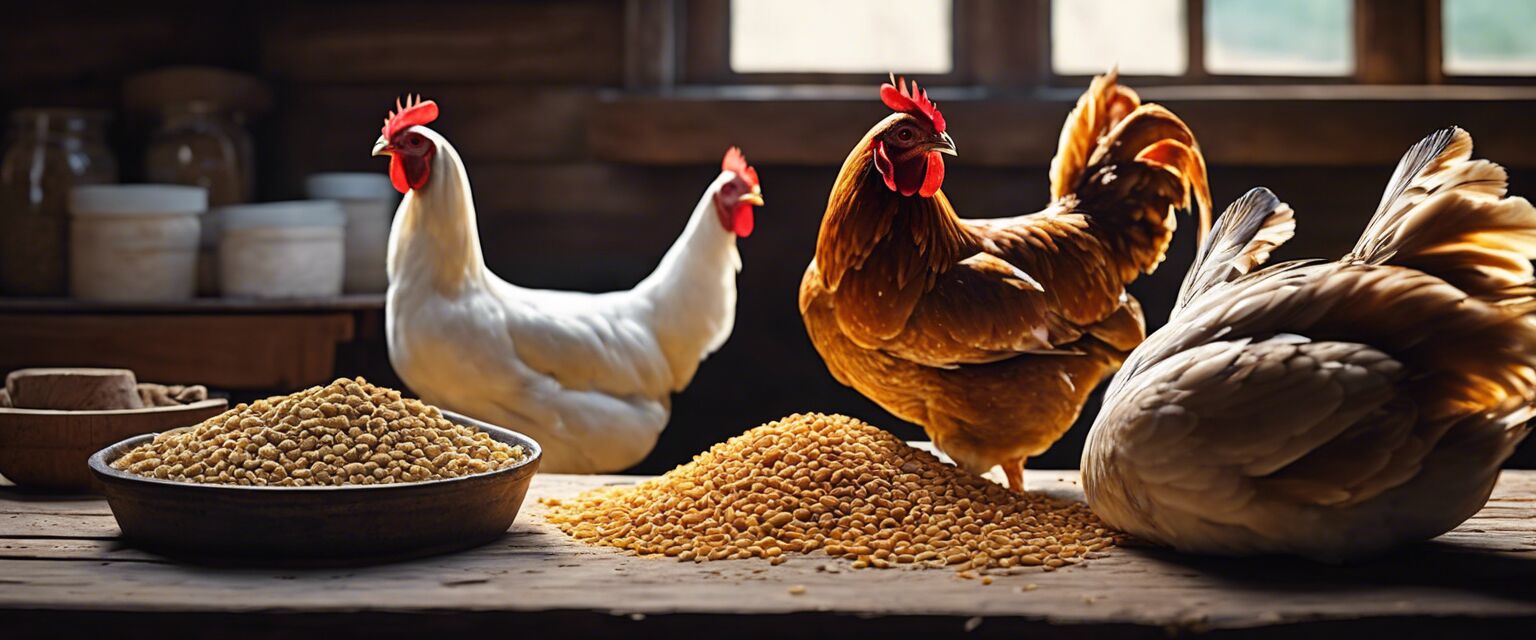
point(198, 145)
point(48, 153)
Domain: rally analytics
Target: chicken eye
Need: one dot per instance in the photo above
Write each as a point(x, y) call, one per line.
point(905, 134)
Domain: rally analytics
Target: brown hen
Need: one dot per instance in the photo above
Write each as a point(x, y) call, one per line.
point(990, 334)
point(1333, 409)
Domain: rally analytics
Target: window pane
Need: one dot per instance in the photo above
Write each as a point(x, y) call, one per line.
point(1490, 37)
point(1143, 38)
point(846, 36)
point(1279, 37)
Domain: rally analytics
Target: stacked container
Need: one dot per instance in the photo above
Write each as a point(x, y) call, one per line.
point(282, 249)
point(134, 242)
point(369, 202)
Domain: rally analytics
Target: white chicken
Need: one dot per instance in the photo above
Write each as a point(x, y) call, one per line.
point(1332, 410)
point(590, 376)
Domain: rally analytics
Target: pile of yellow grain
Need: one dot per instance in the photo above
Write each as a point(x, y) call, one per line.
point(813, 482)
point(346, 433)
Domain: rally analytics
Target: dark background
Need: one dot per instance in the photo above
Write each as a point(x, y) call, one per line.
point(585, 166)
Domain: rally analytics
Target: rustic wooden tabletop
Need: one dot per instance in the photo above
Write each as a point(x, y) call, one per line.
point(63, 569)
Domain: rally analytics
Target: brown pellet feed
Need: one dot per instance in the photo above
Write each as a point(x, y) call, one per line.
point(349, 432)
point(831, 484)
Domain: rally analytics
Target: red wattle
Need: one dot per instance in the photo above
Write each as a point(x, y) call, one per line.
point(408, 172)
point(922, 175)
point(935, 176)
point(742, 221)
point(397, 174)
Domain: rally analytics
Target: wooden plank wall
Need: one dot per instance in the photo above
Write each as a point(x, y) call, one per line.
point(518, 84)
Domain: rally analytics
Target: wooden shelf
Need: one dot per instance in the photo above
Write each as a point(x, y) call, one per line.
point(64, 569)
point(259, 345)
point(355, 302)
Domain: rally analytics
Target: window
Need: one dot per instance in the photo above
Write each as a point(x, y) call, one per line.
point(1236, 37)
point(1142, 38)
point(1018, 45)
point(1489, 37)
point(846, 36)
point(1275, 37)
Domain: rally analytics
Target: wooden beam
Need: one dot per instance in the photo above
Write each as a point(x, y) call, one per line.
point(331, 127)
point(1249, 126)
point(1434, 42)
point(651, 43)
point(1392, 41)
point(1194, 25)
point(1008, 47)
point(706, 48)
point(405, 43)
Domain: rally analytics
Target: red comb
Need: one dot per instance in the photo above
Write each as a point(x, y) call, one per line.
point(415, 111)
point(737, 163)
point(898, 97)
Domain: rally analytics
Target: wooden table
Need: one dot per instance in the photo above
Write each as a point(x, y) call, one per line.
point(63, 569)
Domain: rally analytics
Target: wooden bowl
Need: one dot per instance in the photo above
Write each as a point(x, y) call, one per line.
point(303, 526)
point(48, 449)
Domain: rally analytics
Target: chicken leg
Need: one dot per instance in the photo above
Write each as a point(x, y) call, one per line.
point(1014, 469)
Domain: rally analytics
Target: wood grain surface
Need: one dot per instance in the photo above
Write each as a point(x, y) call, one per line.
point(62, 568)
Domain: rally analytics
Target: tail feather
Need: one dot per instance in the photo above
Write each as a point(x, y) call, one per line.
point(1447, 215)
point(1120, 158)
point(1184, 162)
point(1104, 104)
point(1242, 240)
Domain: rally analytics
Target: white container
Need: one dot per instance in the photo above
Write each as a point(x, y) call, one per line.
point(282, 249)
point(134, 242)
point(369, 202)
point(208, 256)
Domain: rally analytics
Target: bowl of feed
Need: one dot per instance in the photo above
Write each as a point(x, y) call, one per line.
point(52, 420)
point(340, 474)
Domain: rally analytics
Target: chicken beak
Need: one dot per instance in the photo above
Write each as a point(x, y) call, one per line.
point(945, 145)
point(381, 147)
point(754, 197)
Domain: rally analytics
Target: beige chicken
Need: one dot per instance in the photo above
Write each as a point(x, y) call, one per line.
point(1332, 409)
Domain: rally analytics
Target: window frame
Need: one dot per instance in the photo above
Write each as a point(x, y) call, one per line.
point(1196, 73)
point(660, 115)
point(1395, 42)
point(1435, 39)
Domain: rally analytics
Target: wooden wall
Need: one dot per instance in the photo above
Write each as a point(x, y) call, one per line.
point(520, 85)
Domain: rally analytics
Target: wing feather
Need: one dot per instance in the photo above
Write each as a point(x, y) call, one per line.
point(587, 342)
point(1274, 417)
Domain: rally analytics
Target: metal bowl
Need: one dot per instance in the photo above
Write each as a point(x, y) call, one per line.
point(354, 524)
point(47, 449)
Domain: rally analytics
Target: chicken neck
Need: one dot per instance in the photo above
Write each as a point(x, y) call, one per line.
point(864, 218)
point(434, 239)
point(691, 295)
